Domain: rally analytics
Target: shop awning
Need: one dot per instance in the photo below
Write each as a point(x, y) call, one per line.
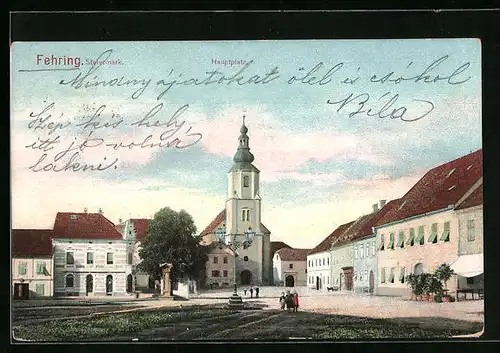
point(468, 265)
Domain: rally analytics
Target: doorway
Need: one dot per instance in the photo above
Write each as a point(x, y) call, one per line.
point(348, 273)
point(372, 282)
point(109, 285)
point(289, 281)
point(318, 283)
point(21, 291)
point(246, 277)
point(130, 282)
point(89, 284)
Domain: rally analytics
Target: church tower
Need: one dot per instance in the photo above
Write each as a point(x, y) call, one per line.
point(243, 210)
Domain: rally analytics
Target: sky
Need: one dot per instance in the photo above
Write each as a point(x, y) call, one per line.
point(322, 162)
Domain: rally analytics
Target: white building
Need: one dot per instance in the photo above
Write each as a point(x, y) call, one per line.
point(421, 231)
point(290, 267)
point(90, 256)
point(469, 265)
point(242, 214)
point(32, 263)
point(319, 270)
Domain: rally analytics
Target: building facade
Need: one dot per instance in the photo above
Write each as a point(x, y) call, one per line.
point(422, 230)
point(90, 256)
point(32, 263)
point(290, 267)
point(242, 214)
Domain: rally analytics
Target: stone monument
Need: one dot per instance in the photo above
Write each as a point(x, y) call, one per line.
point(165, 279)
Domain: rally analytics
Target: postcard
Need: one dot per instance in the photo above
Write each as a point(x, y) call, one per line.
point(317, 190)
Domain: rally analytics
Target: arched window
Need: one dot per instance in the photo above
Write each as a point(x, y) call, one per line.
point(70, 281)
point(245, 215)
point(246, 181)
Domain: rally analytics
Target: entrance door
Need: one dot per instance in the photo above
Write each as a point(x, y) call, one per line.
point(372, 282)
point(109, 285)
point(130, 282)
point(21, 291)
point(318, 282)
point(89, 284)
point(348, 272)
point(289, 281)
point(246, 277)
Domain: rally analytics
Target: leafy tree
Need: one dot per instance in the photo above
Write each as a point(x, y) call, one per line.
point(172, 239)
point(444, 273)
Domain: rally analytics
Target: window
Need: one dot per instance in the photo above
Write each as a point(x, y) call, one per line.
point(328, 261)
point(130, 257)
point(224, 259)
point(382, 275)
point(216, 260)
point(245, 258)
point(215, 273)
point(411, 238)
point(361, 250)
point(361, 276)
point(470, 280)
point(391, 275)
point(373, 247)
point(70, 258)
point(40, 268)
point(109, 258)
point(40, 290)
point(433, 236)
point(323, 261)
point(90, 258)
point(224, 273)
point(21, 268)
point(381, 244)
point(246, 181)
point(70, 281)
point(328, 280)
point(245, 214)
point(391, 241)
point(402, 275)
point(290, 266)
point(355, 252)
point(367, 249)
point(470, 230)
point(446, 232)
point(420, 237)
point(401, 239)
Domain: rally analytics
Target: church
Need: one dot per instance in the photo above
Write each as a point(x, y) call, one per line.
point(242, 211)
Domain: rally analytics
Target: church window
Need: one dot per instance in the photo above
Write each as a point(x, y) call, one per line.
point(245, 215)
point(246, 181)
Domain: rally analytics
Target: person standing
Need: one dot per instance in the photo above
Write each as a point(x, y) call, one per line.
point(282, 301)
point(251, 292)
point(295, 301)
point(256, 292)
point(289, 300)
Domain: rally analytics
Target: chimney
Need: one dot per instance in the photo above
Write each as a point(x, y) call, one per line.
point(85, 209)
point(375, 207)
point(382, 203)
point(120, 220)
point(100, 210)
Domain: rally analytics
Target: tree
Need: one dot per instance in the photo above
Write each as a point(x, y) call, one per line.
point(172, 239)
point(444, 273)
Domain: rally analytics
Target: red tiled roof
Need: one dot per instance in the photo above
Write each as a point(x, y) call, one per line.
point(474, 199)
point(276, 245)
point(120, 227)
point(84, 226)
point(287, 254)
point(210, 229)
point(439, 188)
point(362, 227)
point(32, 242)
point(141, 227)
point(327, 242)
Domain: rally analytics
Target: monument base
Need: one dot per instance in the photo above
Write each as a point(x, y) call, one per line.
point(235, 302)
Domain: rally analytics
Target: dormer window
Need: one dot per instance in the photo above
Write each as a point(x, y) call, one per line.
point(73, 217)
point(450, 173)
point(246, 181)
point(469, 167)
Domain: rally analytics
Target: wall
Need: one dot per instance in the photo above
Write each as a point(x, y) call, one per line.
point(365, 263)
point(318, 265)
point(99, 269)
point(430, 255)
point(31, 277)
point(476, 214)
point(220, 266)
point(341, 256)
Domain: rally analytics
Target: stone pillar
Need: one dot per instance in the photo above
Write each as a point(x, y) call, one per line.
point(166, 284)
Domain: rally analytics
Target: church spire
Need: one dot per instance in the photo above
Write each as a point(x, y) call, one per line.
point(243, 155)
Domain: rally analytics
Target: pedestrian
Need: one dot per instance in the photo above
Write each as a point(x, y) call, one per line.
point(251, 292)
point(295, 301)
point(282, 301)
point(256, 292)
point(245, 291)
point(289, 300)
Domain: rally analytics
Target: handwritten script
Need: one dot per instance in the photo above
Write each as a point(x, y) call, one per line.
point(159, 126)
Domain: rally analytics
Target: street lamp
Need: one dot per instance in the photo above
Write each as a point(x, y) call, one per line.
point(231, 242)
